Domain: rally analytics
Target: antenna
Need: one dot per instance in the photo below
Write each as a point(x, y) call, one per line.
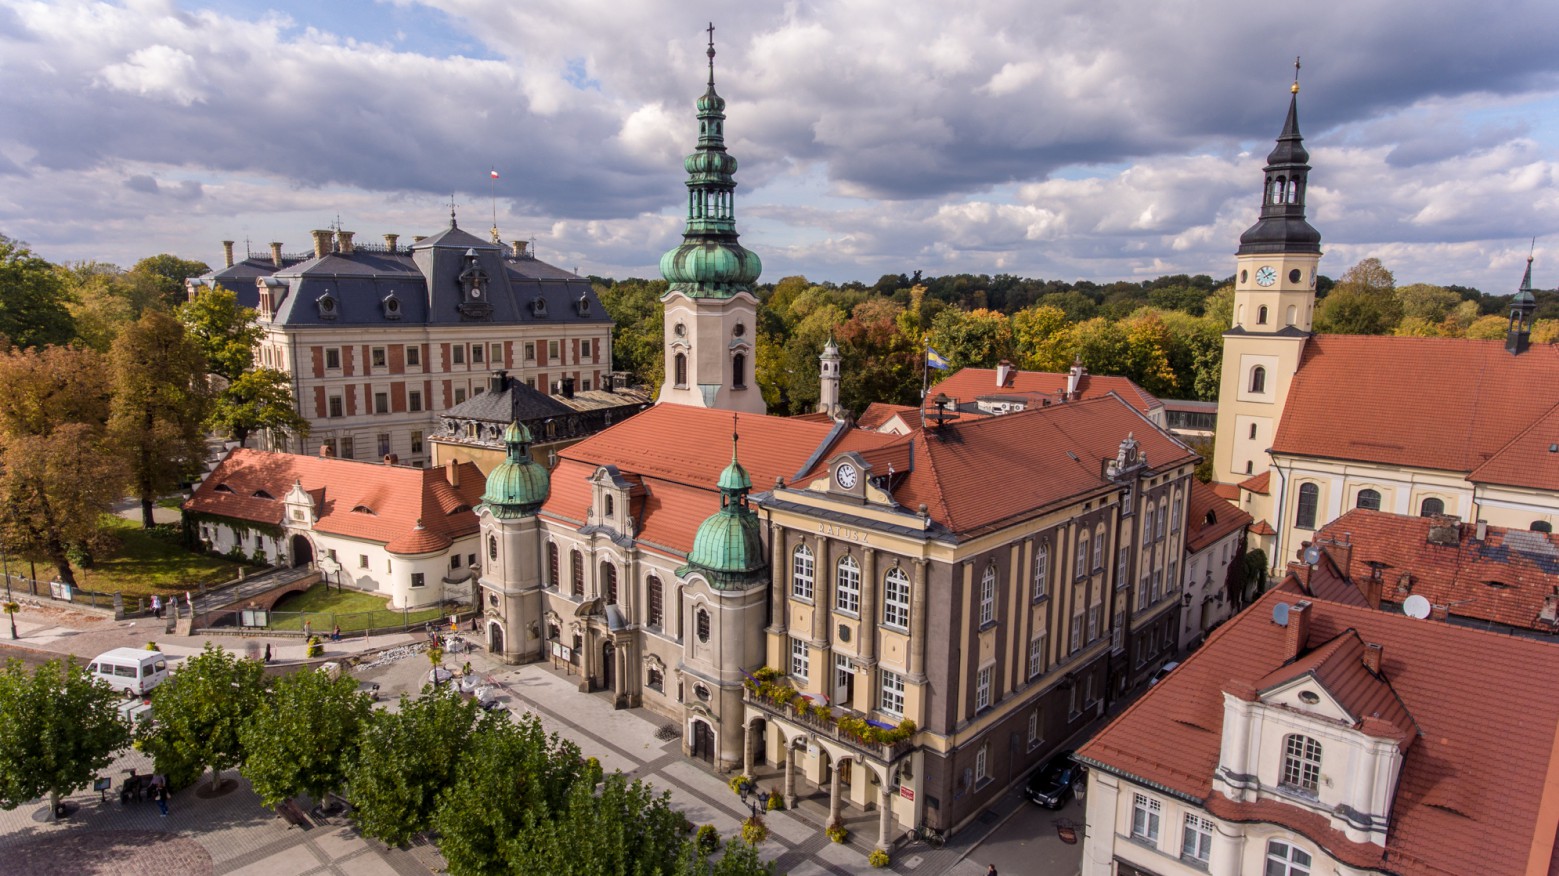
point(1280, 614)
point(1312, 555)
point(1416, 606)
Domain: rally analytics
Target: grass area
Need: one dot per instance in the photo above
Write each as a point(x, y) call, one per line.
point(353, 610)
point(143, 564)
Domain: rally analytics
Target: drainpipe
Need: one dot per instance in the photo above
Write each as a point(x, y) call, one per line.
point(1282, 500)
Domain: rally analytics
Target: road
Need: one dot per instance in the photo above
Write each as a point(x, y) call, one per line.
point(1028, 843)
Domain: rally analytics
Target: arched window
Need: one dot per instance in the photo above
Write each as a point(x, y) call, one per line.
point(988, 595)
point(552, 564)
point(1147, 525)
point(1293, 314)
point(801, 569)
point(702, 622)
point(895, 598)
point(1042, 570)
point(1541, 526)
point(1430, 507)
point(1098, 549)
point(1080, 562)
point(1286, 860)
point(679, 365)
point(1253, 431)
point(739, 370)
point(576, 562)
point(657, 600)
point(1250, 467)
point(1261, 315)
point(847, 585)
point(609, 582)
point(1301, 763)
point(1258, 379)
point(492, 548)
point(1368, 500)
point(1309, 499)
point(1239, 318)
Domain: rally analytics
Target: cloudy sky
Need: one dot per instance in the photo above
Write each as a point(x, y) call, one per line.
point(1068, 139)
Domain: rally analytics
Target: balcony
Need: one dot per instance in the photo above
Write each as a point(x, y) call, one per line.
point(825, 721)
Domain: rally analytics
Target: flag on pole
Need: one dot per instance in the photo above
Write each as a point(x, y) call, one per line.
point(494, 173)
point(936, 360)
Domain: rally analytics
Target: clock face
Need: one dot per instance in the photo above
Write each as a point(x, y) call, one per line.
point(476, 291)
point(1266, 276)
point(846, 476)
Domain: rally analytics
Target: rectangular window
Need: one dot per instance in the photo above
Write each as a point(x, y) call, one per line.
point(362, 561)
point(657, 610)
point(1147, 525)
point(895, 603)
point(381, 403)
point(1174, 515)
point(335, 406)
point(1080, 564)
point(413, 355)
point(1041, 571)
point(1197, 844)
point(1118, 630)
point(332, 357)
point(584, 385)
point(418, 580)
point(416, 442)
point(459, 352)
point(801, 569)
point(1142, 590)
point(347, 451)
point(1162, 514)
point(847, 587)
point(384, 444)
point(476, 354)
point(584, 349)
point(1145, 813)
point(982, 763)
point(377, 357)
point(1098, 552)
point(800, 663)
point(330, 445)
point(982, 688)
point(1033, 728)
point(1095, 612)
point(1122, 564)
point(530, 351)
point(1076, 642)
point(414, 400)
point(454, 561)
point(460, 396)
point(988, 596)
point(1037, 654)
point(552, 352)
point(496, 354)
point(892, 701)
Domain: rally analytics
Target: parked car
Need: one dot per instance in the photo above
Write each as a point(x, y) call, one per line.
point(1162, 672)
point(1051, 785)
point(132, 670)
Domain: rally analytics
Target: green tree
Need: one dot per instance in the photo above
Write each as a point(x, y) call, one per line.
point(796, 370)
point(1219, 307)
point(878, 363)
point(34, 301)
point(1432, 304)
point(1353, 310)
point(164, 275)
point(626, 829)
point(58, 727)
point(303, 736)
point(201, 710)
point(54, 490)
point(222, 329)
point(1103, 346)
point(638, 327)
point(1042, 337)
point(258, 401)
point(101, 302)
point(404, 760)
point(972, 338)
point(161, 398)
point(1148, 345)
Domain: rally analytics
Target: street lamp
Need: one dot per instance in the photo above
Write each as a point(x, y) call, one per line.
point(10, 604)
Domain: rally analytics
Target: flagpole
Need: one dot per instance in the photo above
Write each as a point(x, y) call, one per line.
point(492, 179)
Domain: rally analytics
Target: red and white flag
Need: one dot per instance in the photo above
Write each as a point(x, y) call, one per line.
point(494, 173)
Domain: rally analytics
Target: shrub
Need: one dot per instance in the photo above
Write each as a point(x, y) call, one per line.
point(708, 839)
point(151, 646)
point(836, 832)
point(878, 858)
point(315, 648)
point(740, 782)
point(775, 802)
point(754, 831)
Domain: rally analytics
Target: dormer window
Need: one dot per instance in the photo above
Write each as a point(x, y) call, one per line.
point(363, 509)
point(583, 305)
point(261, 494)
point(392, 306)
point(222, 488)
point(538, 306)
point(1301, 764)
point(327, 306)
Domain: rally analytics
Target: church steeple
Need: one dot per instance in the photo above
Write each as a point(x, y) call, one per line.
point(1518, 337)
point(710, 263)
point(1282, 226)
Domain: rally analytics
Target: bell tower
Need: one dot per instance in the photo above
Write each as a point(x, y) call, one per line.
point(1274, 305)
point(711, 312)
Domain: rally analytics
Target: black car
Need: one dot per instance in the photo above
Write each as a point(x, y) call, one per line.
point(1051, 785)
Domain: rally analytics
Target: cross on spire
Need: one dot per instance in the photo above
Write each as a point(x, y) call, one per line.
point(711, 54)
point(451, 209)
point(1295, 89)
point(735, 435)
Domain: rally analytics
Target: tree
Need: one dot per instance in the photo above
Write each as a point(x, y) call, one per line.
point(101, 302)
point(258, 401)
point(164, 275)
point(1429, 303)
point(638, 328)
point(161, 398)
point(54, 491)
point(625, 829)
point(1042, 338)
point(1354, 310)
point(404, 760)
point(1489, 328)
point(58, 727)
point(49, 387)
point(973, 338)
point(1148, 344)
point(201, 709)
point(303, 737)
point(33, 299)
point(224, 331)
point(878, 362)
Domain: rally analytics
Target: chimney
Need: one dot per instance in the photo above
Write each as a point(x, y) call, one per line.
point(1372, 654)
point(276, 253)
point(227, 252)
point(1074, 379)
point(607, 382)
point(1003, 373)
point(1483, 530)
point(519, 249)
point(345, 241)
point(1298, 632)
point(1445, 530)
point(321, 243)
point(419, 238)
point(391, 459)
point(500, 381)
point(452, 472)
point(568, 387)
point(390, 240)
point(326, 451)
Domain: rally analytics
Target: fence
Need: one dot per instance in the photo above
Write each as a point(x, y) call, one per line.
point(322, 623)
point(57, 593)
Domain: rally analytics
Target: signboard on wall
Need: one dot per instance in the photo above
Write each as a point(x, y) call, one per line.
point(906, 792)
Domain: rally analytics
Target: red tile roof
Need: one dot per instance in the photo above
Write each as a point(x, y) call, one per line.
point(1339, 667)
point(1440, 403)
point(1262, 527)
point(1524, 565)
point(1464, 689)
point(1257, 484)
point(364, 500)
point(1228, 491)
point(968, 384)
point(1531, 459)
point(877, 414)
point(1226, 517)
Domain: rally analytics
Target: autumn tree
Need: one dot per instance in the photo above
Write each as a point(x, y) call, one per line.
point(58, 727)
point(34, 300)
point(638, 327)
point(878, 363)
point(160, 401)
point(1042, 338)
point(303, 736)
point(406, 758)
point(1362, 302)
point(201, 710)
point(101, 302)
point(54, 491)
point(972, 338)
point(1426, 302)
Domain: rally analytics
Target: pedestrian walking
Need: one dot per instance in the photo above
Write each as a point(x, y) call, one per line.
point(160, 794)
point(335, 634)
point(267, 652)
point(157, 606)
point(308, 628)
point(991, 870)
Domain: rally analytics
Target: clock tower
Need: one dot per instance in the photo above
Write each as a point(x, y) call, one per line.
point(1274, 304)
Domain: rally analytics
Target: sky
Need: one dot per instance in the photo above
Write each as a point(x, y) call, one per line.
point(1062, 139)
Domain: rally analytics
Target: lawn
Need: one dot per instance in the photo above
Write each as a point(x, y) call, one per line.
point(353, 610)
point(143, 564)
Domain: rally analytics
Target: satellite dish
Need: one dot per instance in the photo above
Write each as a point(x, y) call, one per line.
point(1312, 555)
point(1416, 606)
point(1280, 614)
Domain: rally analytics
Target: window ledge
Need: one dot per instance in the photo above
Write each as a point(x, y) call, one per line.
point(988, 625)
point(1043, 597)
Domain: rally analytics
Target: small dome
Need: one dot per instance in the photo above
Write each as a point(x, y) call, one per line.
point(734, 478)
point(711, 264)
point(518, 485)
point(516, 433)
point(710, 102)
point(728, 549)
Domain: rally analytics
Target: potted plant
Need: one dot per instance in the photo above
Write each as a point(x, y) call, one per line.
point(836, 832)
point(878, 858)
point(754, 831)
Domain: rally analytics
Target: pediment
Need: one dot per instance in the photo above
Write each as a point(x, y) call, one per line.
point(1308, 695)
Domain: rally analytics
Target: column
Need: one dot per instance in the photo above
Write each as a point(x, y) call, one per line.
point(869, 584)
point(822, 592)
point(779, 580)
point(790, 774)
point(834, 803)
point(884, 817)
point(747, 757)
point(917, 622)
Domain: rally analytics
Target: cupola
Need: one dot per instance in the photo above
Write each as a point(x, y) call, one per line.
point(519, 485)
point(1282, 226)
point(728, 548)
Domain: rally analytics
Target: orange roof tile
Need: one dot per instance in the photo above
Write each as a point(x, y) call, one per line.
point(1338, 666)
point(1258, 484)
point(1230, 492)
point(1262, 527)
point(878, 414)
point(1531, 459)
point(1463, 687)
point(364, 500)
point(1440, 403)
point(1210, 518)
point(968, 384)
point(419, 540)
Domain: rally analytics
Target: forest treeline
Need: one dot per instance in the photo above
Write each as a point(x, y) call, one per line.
point(1166, 333)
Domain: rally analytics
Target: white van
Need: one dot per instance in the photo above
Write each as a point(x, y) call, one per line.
point(131, 670)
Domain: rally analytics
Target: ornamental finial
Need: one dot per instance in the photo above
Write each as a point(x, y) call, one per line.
point(1294, 89)
point(711, 54)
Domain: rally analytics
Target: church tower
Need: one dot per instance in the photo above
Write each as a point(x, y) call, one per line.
point(510, 581)
point(711, 312)
point(828, 379)
point(1274, 304)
